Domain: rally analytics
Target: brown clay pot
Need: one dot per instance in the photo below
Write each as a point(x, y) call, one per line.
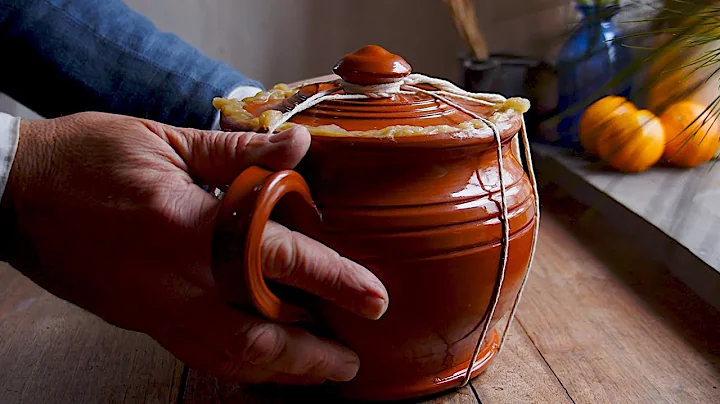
point(421, 212)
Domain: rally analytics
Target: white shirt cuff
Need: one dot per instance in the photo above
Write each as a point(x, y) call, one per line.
point(237, 93)
point(9, 134)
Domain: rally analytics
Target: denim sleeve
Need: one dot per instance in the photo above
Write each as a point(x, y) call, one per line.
point(67, 56)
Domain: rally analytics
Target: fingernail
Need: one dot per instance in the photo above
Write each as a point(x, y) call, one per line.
point(280, 136)
point(374, 307)
point(345, 372)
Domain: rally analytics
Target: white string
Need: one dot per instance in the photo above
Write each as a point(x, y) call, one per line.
point(384, 90)
point(504, 244)
point(444, 85)
point(447, 89)
point(533, 183)
point(309, 103)
point(504, 241)
point(488, 103)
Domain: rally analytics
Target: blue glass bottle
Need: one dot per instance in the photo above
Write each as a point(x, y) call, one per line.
point(588, 61)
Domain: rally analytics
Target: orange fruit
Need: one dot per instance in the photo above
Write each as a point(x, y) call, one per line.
point(692, 139)
point(596, 115)
point(631, 142)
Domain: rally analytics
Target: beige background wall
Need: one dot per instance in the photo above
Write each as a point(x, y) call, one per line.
point(286, 40)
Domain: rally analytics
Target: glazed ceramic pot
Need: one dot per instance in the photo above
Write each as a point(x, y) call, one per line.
point(418, 207)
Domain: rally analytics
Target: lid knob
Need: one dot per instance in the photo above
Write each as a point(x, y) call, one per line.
point(371, 64)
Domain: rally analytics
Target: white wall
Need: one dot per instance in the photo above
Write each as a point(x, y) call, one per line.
point(287, 40)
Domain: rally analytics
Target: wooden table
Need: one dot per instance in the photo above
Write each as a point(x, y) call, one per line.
point(599, 323)
point(673, 214)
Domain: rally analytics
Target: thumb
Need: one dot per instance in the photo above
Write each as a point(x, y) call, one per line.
point(218, 157)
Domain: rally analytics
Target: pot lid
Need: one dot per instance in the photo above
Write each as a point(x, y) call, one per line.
point(376, 94)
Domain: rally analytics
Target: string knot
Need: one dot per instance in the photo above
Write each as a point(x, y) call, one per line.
point(383, 90)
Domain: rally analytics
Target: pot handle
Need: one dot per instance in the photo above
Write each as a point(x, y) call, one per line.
point(237, 240)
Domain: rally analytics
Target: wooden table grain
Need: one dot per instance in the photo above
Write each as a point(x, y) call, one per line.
point(53, 352)
point(600, 322)
point(673, 214)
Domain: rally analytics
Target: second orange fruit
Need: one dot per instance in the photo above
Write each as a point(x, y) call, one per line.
point(631, 142)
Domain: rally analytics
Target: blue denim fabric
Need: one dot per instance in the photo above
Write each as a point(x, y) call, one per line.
point(67, 56)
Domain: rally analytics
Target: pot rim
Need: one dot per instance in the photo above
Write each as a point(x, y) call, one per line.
point(508, 129)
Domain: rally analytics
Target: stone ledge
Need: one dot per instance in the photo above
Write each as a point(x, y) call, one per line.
point(674, 214)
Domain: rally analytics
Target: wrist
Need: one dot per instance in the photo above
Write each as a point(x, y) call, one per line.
point(8, 227)
point(9, 139)
point(33, 147)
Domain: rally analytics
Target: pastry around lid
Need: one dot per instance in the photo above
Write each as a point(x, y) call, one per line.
point(377, 96)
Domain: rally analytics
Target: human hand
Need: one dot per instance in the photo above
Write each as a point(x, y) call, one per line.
point(109, 217)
